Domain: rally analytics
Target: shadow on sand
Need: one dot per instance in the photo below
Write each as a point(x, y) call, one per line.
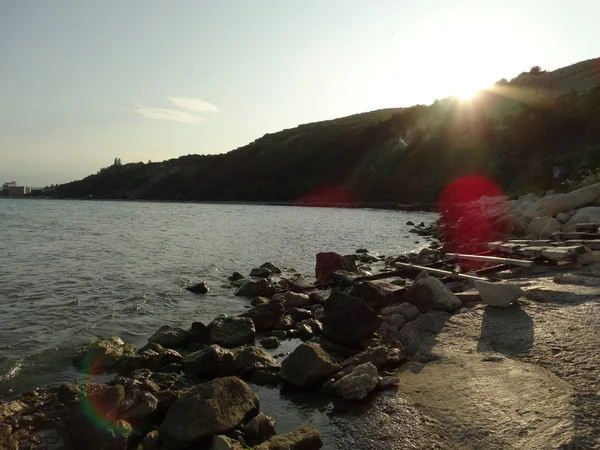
point(506, 330)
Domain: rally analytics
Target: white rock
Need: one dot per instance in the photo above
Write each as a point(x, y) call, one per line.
point(498, 294)
point(543, 226)
point(358, 383)
point(591, 214)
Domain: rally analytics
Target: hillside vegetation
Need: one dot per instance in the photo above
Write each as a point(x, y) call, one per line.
point(514, 133)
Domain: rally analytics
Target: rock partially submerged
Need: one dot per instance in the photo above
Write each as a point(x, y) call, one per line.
point(251, 359)
point(308, 365)
point(200, 288)
point(305, 438)
point(329, 262)
point(231, 332)
point(170, 337)
point(101, 355)
point(256, 288)
point(212, 361)
point(358, 383)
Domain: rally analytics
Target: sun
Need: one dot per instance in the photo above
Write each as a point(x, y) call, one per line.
point(467, 92)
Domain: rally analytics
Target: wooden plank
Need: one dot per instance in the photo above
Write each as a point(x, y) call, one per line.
point(442, 272)
point(563, 253)
point(531, 251)
point(592, 244)
point(508, 248)
point(587, 227)
point(574, 235)
point(508, 261)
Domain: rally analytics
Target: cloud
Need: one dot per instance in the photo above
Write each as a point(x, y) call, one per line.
point(193, 104)
point(168, 114)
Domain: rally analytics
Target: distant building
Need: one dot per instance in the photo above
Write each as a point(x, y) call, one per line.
point(14, 189)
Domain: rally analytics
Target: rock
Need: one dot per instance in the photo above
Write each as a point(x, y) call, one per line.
point(210, 408)
point(272, 267)
point(305, 438)
point(213, 361)
point(357, 384)
point(258, 301)
point(304, 332)
point(265, 378)
point(296, 300)
point(101, 355)
point(236, 276)
point(299, 314)
point(200, 288)
point(259, 429)
point(378, 356)
point(8, 409)
point(285, 322)
point(221, 442)
point(387, 382)
point(579, 198)
point(279, 334)
point(198, 333)
point(330, 262)
point(266, 315)
point(315, 325)
point(377, 293)
point(147, 404)
point(498, 294)
point(256, 288)
point(562, 217)
point(150, 442)
point(152, 346)
point(259, 272)
point(7, 442)
point(270, 342)
point(396, 320)
point(307, 365)
point(318, 297)
point(589, 257)
point(231, 332)
point(170, 337)
point(410, 223)
point(250, 359)
point(408, 310)
point(591, 214)
point(348, 320)
point(169, 356)
point(429, 293)
point(543, 226)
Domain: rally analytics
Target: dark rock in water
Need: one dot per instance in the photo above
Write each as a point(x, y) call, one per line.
point(348, 320)
point(319, 297)
point(368, 259)
point(258, 300)
point(213, 361)
point(330, 262)
point(314, 325)
point(265, 378)
point(250, 359)
point(100, 355)
point(200, 288)
point(270, 342)
point(146, 405)
point(358, 383)
point(198, 333)
point(299, 314)
point(308, 365)
point(296, 300)
point(260, 272)
point(285, 322)
point(216, 407)
point(235, 276)
point(305, 438)
point(304, 332)
point(266, 316)
point(170, 337)
point(272, 267)
point(259, 429)
point(410, 223)
point(152, 346)
point(422, 224)
point(256, 288)
point(169, 356)
point(231, 332)
point(362, 250)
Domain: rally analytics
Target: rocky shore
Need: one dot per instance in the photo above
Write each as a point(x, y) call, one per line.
point(395, 346)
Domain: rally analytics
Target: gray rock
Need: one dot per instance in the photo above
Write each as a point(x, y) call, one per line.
point(498, 294)
point(272, 267)
point(258, 301)
point(296, 300)
point(260, 272)
point(362, 250)
point(100, 355)
point(299, 314)
point(305, 438)
point(236, 276)
point(562, 217)
point(285, 322)
point(266, 315)
point(408, 310)
point(357, 384)
point(256, 288)
point(395, 320)
point(329, 262)
point(231, 332)
point(147, 404)
point(387, 382)
point(270, 342)
point(215, 407)
point(307, 365)
point(170, 337)
point(377, 293)
point(200, 288)
point(259, 429)
point(378, 356)
point(348, 320)
point(213, 361)
point(304, 332)
point(168, 356)
point(198, 333)
point(543, 226)
point(221, 442)
point(591, 214)
point(429, 293)
point(250, 359)
point(315, 325)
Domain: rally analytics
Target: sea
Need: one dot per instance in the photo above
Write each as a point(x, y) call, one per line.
point(72, 271)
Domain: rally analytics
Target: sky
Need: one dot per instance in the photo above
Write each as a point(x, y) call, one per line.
point(83, 82)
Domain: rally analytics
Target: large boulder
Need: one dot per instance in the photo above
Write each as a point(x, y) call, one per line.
point(579, 198)
point(543, 226)
point(307, 365)
point(231, 332)
point(591, 214)
point(330, 262)
point(216, 407)
point(377, 293)
point(272, 267)
point(305, 438)
point(358, 383)
point(429, 293)
point(251, 358)
point(266, 315)
point(256, 288)
point(498, 294)
point(170, 337)
point(260, 272)
point(348, 320)
point(101, 355)
point(213, 361)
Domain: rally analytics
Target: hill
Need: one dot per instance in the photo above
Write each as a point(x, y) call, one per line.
point(513, 133)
